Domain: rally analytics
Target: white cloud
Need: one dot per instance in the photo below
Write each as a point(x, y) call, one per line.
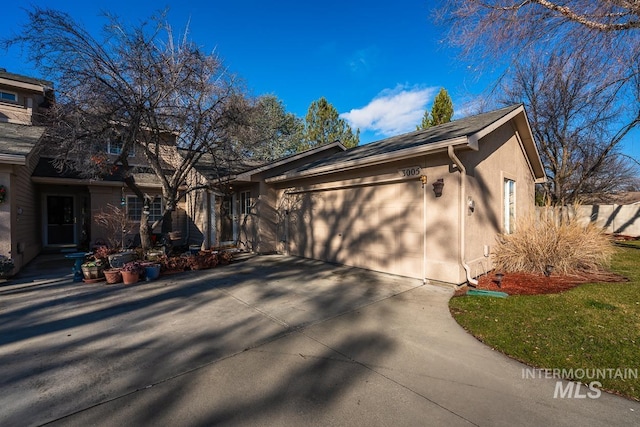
point(392, 111)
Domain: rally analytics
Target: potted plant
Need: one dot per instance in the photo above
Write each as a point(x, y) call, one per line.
point(152, 270)
point(131, 272)
point(93, 269)
point(6, 266)
point(113, 275)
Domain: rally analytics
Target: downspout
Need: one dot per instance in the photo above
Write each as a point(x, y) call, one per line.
point(423, 179)
point(463, 207)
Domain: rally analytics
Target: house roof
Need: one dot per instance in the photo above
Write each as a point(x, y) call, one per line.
point(212, 168)
point(17, 141)
point(244, 169)
point(30, 82)
point(465, 132)
point(45, 171)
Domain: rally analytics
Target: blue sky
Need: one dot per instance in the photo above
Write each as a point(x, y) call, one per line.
point(380, 63)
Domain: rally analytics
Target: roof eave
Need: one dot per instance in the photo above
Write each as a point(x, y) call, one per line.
point(13, 159)
point(246, 176)
point(370, 161)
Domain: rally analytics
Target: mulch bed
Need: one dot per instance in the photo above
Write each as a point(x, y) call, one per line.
point(536, 284)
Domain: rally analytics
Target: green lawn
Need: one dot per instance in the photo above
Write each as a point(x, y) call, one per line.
point(594, 326)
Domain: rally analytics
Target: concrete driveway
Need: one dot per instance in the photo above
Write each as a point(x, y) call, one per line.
point(272, 340)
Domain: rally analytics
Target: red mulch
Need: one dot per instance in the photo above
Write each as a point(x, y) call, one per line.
point(535, 284)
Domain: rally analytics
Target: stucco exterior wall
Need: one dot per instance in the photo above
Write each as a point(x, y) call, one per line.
point(501, 156)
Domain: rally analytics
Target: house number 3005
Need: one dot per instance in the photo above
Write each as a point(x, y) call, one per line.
point(411, 172)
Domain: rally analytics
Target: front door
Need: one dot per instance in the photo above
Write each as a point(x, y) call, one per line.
point(226, 219)
point(60, 220)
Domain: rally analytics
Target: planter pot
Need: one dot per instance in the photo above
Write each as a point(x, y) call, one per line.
point(152, 272)
point(120, 259)
point(113, 276)
point(129, 277)
point(95, 272)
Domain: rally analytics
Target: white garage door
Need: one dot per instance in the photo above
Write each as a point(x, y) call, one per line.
point(378, 227)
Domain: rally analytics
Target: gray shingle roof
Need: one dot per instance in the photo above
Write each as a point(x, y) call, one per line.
point(455, 129)
point(19, 139)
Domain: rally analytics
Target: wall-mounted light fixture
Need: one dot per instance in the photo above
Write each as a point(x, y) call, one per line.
point(123, 201)
point(437, 187)
point(423, 180)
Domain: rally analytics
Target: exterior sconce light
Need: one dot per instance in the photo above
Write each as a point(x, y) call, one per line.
point(423, 180)
point(437, 187)
point(548, 269)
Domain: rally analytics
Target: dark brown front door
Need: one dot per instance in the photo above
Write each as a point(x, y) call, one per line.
point(60, 220)
point(226, 219)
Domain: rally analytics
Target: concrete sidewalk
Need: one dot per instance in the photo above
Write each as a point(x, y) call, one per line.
point(271, 341)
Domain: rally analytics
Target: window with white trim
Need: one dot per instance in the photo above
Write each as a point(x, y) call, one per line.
point(245, 202)
point(135, 206)
point(509, 203)
point(8, 96)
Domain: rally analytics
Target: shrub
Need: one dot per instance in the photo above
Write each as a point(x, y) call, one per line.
point(6, 265)
point(133, 267)
point(567, 246)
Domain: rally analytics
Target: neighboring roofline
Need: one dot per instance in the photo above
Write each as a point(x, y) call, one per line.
point(4, 74)
point(13, 159)
point(94, 182)
point(370, 161)
point(246, 175)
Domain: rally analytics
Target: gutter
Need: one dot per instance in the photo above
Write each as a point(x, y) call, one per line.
point(463, 171)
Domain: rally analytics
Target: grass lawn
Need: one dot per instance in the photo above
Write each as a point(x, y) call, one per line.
point(594, 326)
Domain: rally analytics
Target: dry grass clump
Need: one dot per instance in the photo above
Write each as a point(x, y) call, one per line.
point(568, 246)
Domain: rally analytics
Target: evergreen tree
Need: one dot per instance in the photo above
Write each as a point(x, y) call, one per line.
point(441, 111)
point(323, 125)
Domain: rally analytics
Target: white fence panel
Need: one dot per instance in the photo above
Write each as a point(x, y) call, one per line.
point(613, 219)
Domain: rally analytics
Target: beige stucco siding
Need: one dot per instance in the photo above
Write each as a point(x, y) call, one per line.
point(501, 156)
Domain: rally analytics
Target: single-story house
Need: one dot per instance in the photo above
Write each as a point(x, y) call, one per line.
point(427, 204)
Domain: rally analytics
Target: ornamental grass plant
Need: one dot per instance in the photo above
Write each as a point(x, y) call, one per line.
point(543, 242)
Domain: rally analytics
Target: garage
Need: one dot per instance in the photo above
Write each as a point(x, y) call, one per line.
point(377, 226)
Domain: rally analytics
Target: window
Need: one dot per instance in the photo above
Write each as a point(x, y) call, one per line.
point(245, 202)
point(115, 147)
point(509, 205)
point(8, 96)
point(134, 209)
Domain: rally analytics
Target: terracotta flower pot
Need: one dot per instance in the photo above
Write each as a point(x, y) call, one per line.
point(113, 276)
point(130, 277)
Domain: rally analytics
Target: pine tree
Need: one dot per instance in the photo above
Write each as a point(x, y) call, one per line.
point(323, 125)
point(441, 111)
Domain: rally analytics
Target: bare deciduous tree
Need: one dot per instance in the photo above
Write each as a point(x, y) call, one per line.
point(140, 86)
point(571, 119)
point(604, 32)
